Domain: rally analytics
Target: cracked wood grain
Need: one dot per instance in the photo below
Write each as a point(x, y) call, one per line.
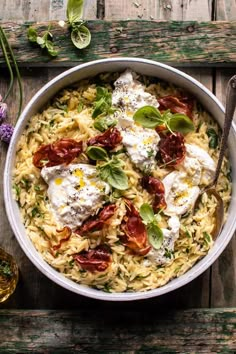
point(185, 43)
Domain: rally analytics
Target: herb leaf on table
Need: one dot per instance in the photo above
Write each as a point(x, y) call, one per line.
point(80, 34)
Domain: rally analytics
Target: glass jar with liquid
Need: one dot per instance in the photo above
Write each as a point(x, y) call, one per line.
point(9, 275)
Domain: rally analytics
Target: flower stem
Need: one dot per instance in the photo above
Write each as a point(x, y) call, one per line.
point(16, 68)
point(8, 66)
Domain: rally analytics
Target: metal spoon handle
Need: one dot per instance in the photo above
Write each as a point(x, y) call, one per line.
point(229, 113)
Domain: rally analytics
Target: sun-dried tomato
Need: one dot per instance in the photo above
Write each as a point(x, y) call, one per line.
point(109, 139)
point(183, 105)
point(135, 234)
point(172, 148)
point(98, 221)
point(94, 260)
point(62, 151)
point(155, 187)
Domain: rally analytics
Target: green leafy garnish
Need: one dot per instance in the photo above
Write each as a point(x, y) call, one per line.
point(5, 269)
point(151, 117)
point(103, 102)
point(213, 138)
point(45, 41)
point(103, 123)
point(80, 34)
point(110, 171)
point(96, 153)
point(155, 234)
point(207, 237)
point(17, 190)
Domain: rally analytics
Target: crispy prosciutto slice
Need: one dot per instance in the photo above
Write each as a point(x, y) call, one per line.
point(156, 188)
point(135, 234)
point(94, 260)
point(183, 105)
point(172, 148)
point(99, 221)
point(62, 151)
point(109, 139)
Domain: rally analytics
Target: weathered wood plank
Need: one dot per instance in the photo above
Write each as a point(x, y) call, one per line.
point(178, 10)
point(225, 9)
point(179, 43)
point(84, 331)
point(29, 10)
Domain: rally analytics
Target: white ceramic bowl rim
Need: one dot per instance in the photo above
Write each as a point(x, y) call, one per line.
point(26, 244)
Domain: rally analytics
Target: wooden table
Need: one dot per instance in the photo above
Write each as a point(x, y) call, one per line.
point(201, 316)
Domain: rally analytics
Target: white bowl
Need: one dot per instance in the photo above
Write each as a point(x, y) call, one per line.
point(146, 67)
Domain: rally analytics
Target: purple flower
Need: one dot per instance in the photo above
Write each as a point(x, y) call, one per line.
point(6, 131)
point(3, 111)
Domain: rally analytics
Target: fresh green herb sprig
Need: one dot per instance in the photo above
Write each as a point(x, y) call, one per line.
point(45, 41)
point(155, 234)
point(80, 34)
point(5, 269)
point(103, 102)
point(213, 138)
point(111, 170)
point(151, 117)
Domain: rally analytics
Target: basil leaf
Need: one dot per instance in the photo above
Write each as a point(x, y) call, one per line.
point(155, 235)
point(50, 49)
point(113, 175)
point(103, 102)
point(147, 213)
point(40, 41)
point(103, 123)
point(74, 11)
point(117, 178)
point(96, 153)
point(213, 138)
point(180, 123)
point(32, 35)
point(148, 117)
point(81, 37)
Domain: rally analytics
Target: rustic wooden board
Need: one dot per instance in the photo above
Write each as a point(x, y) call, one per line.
point(178, 10)
point(30, 10)
point(178, 43)
point(84, 331)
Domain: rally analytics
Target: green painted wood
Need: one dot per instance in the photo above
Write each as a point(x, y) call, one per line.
point(85, 331)
point(183, 43)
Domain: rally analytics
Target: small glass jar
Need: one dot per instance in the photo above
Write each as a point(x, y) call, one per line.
point(9, 275)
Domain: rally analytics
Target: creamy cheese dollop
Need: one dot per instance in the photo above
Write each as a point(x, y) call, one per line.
point(165, 254)
point(141, 143)
point(74, 191)
point(182, 185)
